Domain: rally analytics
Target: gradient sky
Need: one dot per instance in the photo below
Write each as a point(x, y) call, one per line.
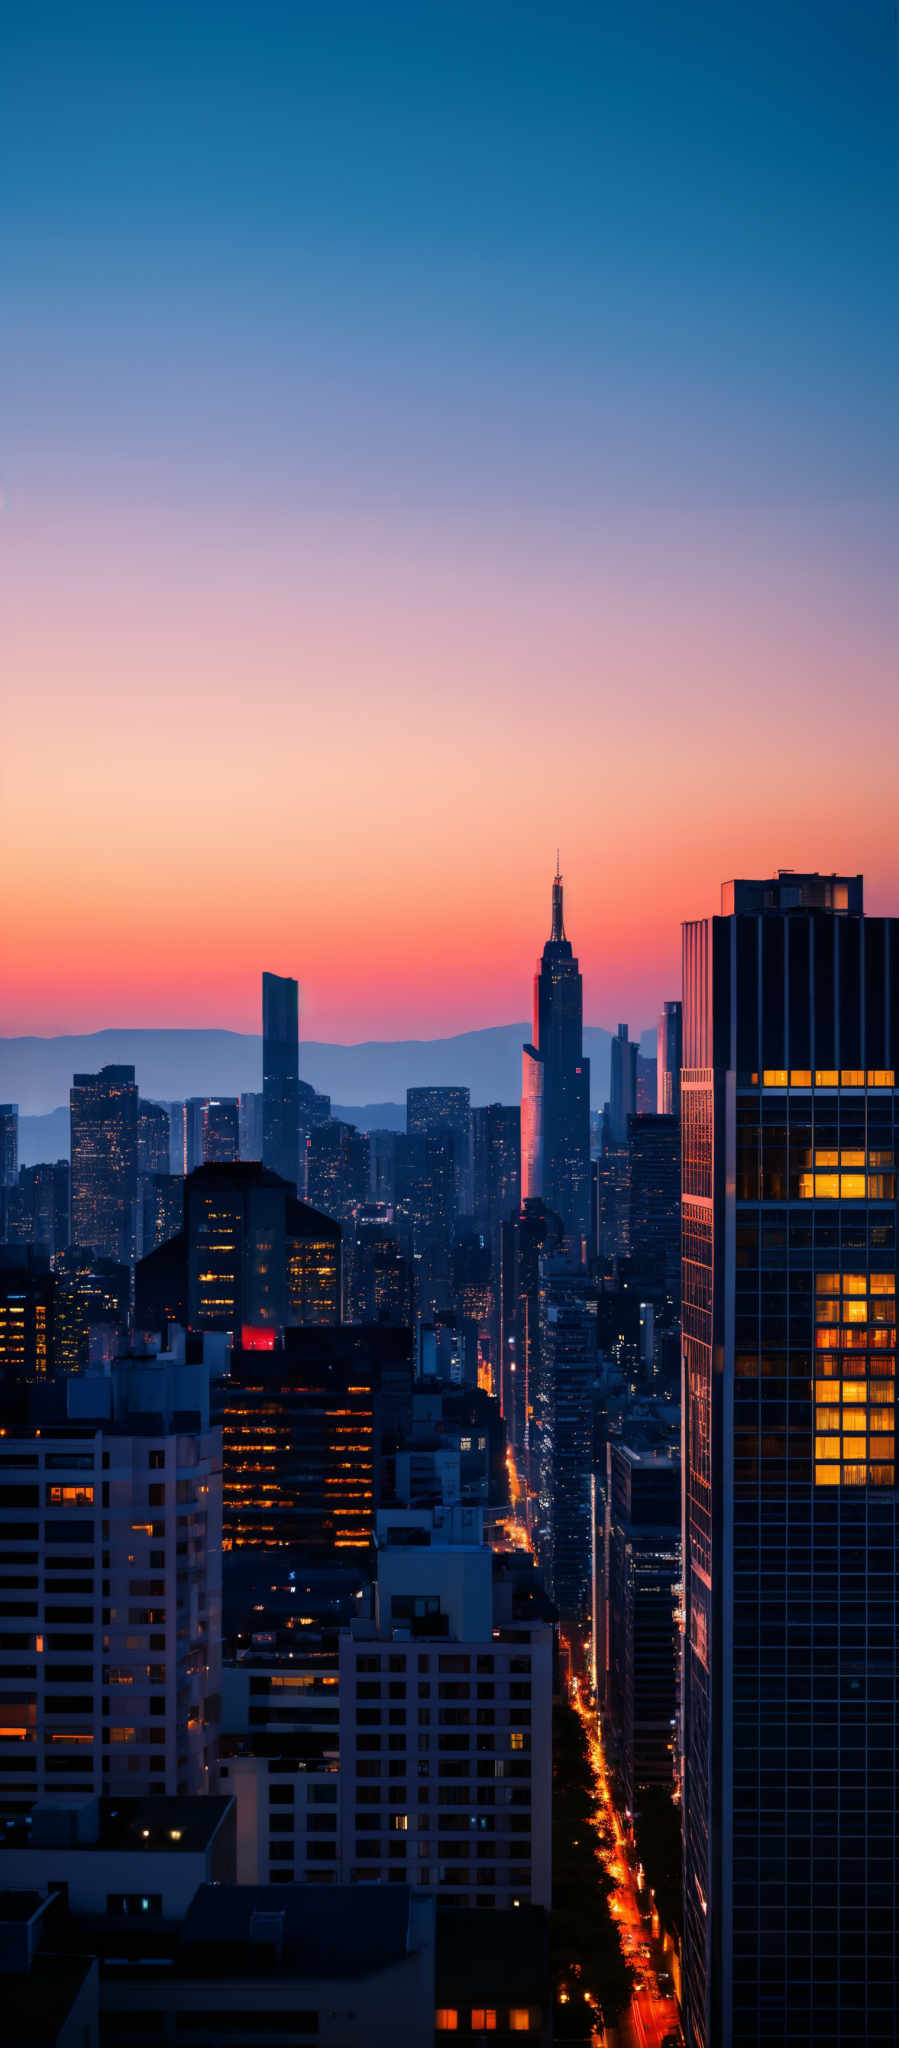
point(433, 432)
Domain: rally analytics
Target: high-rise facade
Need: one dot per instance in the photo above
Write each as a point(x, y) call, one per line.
point(221, 1130)
point(280, 1076)
point(623, 1054)
point(789, 1109)
point(111, 1511)
point(104, 1119)
point(669, 1059)
point(555, 1089)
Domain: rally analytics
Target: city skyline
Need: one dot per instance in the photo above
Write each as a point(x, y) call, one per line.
point(427, 398)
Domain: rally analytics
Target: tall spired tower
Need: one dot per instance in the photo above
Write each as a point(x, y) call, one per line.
point(555, 1087)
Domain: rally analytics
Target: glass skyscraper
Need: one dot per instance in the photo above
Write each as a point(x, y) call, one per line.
point(789, 1105)
point(280, 1076)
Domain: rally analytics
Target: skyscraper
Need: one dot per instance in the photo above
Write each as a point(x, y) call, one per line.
point(9, 1144)
point(280, 1076)
point(555, 1090)
point(104, 1111)
point(669, 1060)
point(789, 1105)
point(221, 1130)
point(622, 1085)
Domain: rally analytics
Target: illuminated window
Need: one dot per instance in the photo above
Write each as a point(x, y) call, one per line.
point(446, 2019)
point(70, 1496)
point(516, 1740)
point(854, 1283)
point(852, 1077)
point(483, 2019)
point(775, 1077)
point(827, 1283)
point(800, 1078)
point(827, 1475)
point(854, 1475)
point(399, 1822)
point(826, 1077)
point(854, 1446)
point(519, 2020)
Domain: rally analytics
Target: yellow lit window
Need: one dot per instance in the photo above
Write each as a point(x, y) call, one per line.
point(827, 1340)
point(854, 1446)
point(881, 1187)
point(852, 1187)
point(820, 1187)
point(825, 1390)
point(825, 1446)
point(858, 1340)
point(827, 1418)
point(852, 1077)
point(827, 1475)
point(446, 2019)
point(800, 1077)
point(855, 1390)
point(775, 1077)
point(883, 1311)
point(70, 1496)
point(885, 1368)
point(827, 1312)
point(516, 1740)
point(519, 2020)
point(483, 2019)
point(855, 1475)
point(399, 1823)
point(854, 1283)
point(881, 1077)
point(827, 1283)
point(883, 1395)
point(882, 1475)
point(826, 1077)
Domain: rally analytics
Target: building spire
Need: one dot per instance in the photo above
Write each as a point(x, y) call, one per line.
point(558, 927)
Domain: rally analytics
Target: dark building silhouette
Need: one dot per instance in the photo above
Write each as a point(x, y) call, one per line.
point(789, 1105)
point(305, 1431)
point(646, 1086)
point(280, 1076)
point(104, 1115)
point(623, 1054)
point(250, 1260)
point(669, 1060)
point(644, 1555)
point(250, 1126)
point(221, 1130)
point(555, 1097)
point(424, 1172)
point(162, 1211)
point(654, 1205)
point(534, 1230)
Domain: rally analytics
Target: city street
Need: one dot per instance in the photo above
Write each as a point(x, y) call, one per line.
point(650, 2016)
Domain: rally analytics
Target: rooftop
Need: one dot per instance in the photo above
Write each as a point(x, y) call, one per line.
point(176, 1825)
point(306, 1930)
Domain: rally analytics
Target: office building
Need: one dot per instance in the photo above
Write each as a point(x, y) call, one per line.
point(669, 1059)
point(378, 1285)
point(110, 1517)
point(564, 1392)
point(162, 1209)
point(48, 1997)
point(337, 1169)
point(646, 1086)
point(104, 1113)
point(221, 1130)
point(280, 1076)
point(304, 1434)
point(93, 1300)
point(644, 1571)
point(9, 1144)
point(250, 1260)
point(496, 1164)
point(555, 1097)
point(788, 1106)
point(27, 1314)
point(445, 1724)
point(125, 1866)
point(445, 1113)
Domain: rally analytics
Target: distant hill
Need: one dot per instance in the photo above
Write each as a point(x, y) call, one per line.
point(37, 1072)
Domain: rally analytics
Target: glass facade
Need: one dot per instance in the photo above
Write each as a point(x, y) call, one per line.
point(790, 1670)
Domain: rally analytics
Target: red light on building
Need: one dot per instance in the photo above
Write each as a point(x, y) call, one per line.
point(254, 1339)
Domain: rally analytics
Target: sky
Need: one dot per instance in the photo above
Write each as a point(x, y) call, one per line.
point(432, 434)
